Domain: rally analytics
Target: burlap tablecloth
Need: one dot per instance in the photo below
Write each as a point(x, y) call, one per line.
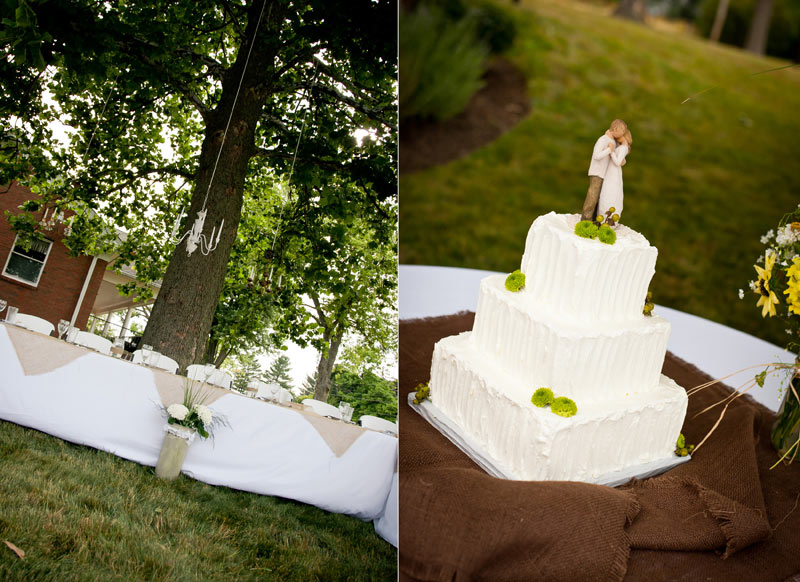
point(722, 516)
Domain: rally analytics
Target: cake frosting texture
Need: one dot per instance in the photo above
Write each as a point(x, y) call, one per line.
point(585, 280)
point(576, 327)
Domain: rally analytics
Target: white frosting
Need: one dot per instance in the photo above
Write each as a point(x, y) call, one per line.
point(576, 327)
point(587, 362)
point(535, 444)
point(586, 280)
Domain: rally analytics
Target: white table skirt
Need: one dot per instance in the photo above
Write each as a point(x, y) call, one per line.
point(114, 406)
point(716, 349)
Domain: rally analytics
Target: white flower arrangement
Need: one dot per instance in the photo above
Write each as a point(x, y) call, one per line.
point(177, 411)
point(192, 413)
point(204, 413)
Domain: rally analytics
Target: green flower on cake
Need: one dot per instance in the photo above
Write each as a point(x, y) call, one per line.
point(586, 229)
point(680, 447)
point(423, 393)
point(606, 235)
point(515, 281)
point(563, 406)
point(542, 397)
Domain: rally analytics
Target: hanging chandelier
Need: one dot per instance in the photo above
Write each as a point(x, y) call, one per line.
point(195, 239)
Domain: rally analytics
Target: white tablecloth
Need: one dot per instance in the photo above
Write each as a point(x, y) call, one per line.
point(114, 406)
point(716, 349)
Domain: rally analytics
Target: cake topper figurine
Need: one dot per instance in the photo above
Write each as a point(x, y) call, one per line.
point(603, 202)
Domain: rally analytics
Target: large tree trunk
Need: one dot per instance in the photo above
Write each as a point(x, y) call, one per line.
point(632, 10)
point(182, 314)
point(758, 33)
point(323, 387)
point(719, 20)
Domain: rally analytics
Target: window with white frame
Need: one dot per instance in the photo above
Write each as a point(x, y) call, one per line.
point(26, 265)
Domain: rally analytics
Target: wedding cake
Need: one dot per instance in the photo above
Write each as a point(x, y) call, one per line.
point(577, 328)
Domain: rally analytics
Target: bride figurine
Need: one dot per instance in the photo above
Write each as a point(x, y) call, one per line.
point(609, 207)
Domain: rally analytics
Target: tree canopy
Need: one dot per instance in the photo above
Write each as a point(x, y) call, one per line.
point(367, 393)
point(200, 105)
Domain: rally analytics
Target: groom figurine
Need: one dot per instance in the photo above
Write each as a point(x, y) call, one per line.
point(597, 168)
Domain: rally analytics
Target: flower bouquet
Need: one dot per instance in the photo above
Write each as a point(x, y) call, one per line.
point(184, 420)
point(777, 286)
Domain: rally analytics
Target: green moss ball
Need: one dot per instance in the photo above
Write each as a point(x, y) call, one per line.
point(515, 281)
point(542, 397)
point(586, 229)
point(564, 406)
point(607, 235)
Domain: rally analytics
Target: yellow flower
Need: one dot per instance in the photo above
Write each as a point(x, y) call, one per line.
point(793, 286)
point(767, 300)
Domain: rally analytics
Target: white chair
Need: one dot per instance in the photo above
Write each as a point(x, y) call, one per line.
point(377, 423)
point(266, 391)
point(322, 408)
point(285, 396)
point(34, 323)
point(209, 374)
point(156, 360)
point(94, 342)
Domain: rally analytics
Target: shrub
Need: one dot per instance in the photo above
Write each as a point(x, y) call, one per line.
point(494, 26)
point(441, 63)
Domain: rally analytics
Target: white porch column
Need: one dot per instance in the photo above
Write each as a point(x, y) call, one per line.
point(108, 322)
point(126, 323)
point(83, 292)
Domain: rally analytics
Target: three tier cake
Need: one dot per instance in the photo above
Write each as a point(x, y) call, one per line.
point(577, 328)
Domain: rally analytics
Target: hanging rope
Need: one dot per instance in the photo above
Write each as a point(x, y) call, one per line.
point(195, 237)
point(294, 157)
point(99, 117)
point(236, 97)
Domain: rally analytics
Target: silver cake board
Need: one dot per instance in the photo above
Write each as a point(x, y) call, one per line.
point(475, 451)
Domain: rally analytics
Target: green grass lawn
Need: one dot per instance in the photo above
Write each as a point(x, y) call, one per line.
point(704, 179)
point(81, 514)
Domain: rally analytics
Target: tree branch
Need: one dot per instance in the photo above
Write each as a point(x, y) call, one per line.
point(146, 172)
point(371, 112)
point(226, 7)
point(265, 153)
point(331, 74)
point(323, 321)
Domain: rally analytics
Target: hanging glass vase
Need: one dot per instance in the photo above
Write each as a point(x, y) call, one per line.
point(786, 430)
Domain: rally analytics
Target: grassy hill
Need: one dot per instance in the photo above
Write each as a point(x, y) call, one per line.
point(81, 514)
point(704, 180)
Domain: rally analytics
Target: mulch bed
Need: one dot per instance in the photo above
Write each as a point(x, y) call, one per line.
point(493, 110)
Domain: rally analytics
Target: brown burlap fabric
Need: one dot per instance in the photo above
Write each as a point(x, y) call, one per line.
point(722, 516)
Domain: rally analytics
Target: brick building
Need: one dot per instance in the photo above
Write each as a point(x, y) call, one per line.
point(46, 282)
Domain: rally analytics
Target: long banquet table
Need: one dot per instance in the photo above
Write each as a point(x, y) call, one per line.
point(113, 405)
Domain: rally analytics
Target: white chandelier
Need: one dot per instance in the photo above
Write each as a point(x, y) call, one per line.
point(195, 239)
